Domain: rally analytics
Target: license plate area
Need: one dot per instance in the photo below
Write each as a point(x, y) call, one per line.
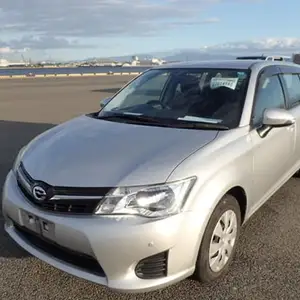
point(38, 225)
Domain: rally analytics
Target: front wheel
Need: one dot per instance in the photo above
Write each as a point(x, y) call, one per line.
point(219, 241)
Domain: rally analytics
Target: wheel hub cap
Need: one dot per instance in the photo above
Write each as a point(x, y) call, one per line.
point(222, 241)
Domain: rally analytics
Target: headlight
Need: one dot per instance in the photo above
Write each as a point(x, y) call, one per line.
point(150, 201)
point(18, 159)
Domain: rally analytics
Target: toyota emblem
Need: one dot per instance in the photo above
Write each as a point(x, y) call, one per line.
point(39, 193)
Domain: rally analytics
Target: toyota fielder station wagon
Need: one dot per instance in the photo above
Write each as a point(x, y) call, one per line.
point(155, 186)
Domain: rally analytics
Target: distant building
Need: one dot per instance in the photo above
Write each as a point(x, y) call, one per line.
point(157, 61)
point(144, 62)
point(5, 63)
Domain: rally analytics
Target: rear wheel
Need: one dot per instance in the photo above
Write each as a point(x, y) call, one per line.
point(219, 242)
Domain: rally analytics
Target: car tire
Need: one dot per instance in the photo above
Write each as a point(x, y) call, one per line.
point(209, 266)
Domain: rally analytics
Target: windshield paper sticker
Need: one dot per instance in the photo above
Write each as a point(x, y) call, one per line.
point(198, 119)
point(217, 82)
point(131, 113)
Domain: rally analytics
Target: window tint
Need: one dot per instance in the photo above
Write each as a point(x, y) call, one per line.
point(292, 82)
point(185, 95)
point(143, 89)
point(269, 95)
point(156, 83)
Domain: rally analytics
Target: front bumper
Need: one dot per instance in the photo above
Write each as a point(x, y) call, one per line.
point(117, 244)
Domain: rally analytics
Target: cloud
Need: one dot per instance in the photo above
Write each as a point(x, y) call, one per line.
point(29, 42)
point(98, 18)
point(44, 42)
point(192, 23)
point(5, 50)
point(268, 46)
point(281, 45)
point(65, 24)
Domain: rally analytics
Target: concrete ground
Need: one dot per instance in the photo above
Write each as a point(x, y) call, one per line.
point(267, 265)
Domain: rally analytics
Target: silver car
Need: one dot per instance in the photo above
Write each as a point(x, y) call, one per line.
point(155, 186)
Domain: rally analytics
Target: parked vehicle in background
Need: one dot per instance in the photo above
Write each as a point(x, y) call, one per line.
point(155, 186)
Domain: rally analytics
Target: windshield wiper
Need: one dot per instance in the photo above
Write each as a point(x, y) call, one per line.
point(131, 117)
point(164, 122)
point(201, 125)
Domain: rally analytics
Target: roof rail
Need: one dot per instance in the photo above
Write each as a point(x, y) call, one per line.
point(267, 57)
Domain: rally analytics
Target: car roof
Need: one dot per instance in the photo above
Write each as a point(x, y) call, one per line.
point(225, 64)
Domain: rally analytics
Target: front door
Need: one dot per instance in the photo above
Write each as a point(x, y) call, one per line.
point(291, 80)
point(272, 154)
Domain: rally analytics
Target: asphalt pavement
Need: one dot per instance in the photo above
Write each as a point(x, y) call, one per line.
point(267, 264)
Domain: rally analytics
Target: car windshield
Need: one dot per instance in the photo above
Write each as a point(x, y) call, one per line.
point(181, 96)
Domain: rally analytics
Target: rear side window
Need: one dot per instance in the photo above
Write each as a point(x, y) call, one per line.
point(292, 82)
point(269, 95)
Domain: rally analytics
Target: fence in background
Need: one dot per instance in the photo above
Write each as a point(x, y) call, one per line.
point(30, 75)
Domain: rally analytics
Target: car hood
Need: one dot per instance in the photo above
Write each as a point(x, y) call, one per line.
point(88, 152)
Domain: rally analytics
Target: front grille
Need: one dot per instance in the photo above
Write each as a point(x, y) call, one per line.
point(153, 267)
point(74, 258)
point(84, 206)
point(84, 201)
point(88, 207)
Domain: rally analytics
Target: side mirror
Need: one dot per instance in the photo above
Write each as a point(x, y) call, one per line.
point(104, 102)
point(275, 118)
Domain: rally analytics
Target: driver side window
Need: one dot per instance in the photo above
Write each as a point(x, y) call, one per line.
point(269, 94)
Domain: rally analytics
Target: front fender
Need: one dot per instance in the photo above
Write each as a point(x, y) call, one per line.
point(206, 195)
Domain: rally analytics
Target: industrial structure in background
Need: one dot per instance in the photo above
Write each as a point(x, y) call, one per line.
point(103, 62)
point(133, 62)
point(4, 63)
point(145, 62)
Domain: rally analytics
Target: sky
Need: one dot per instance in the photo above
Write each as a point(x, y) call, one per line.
point(77, 29)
